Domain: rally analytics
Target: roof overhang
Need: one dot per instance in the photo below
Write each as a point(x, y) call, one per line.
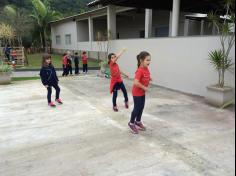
point(194, 6)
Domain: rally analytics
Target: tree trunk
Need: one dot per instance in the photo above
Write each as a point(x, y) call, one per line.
point(45, 40)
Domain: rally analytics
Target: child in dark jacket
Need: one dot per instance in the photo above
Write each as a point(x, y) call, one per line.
point(49, 79)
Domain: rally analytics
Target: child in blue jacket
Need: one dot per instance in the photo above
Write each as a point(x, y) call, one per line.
point(49, 79)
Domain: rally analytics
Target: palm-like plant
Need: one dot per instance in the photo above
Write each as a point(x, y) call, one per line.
point(220, 63)
point(220, 59)
point(43, 14)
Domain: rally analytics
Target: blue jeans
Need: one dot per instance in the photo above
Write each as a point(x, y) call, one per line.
point(117, 87)
point(57, 88)
point(139, 104)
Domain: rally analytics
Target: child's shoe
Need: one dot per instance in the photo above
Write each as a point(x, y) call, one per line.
point(140, 126)
point(127, 105)
point(115, 108)
point(51, 104)
point(59, 101)
point(133, 128)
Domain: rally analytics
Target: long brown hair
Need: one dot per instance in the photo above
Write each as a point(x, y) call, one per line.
point(109, 57)
point(44, 58)
point(142, 56)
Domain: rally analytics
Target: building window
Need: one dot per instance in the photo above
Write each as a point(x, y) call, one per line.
point(68, 39)
point(58, 39)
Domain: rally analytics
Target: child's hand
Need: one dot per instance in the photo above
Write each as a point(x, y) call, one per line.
point(46, 86)
point(145, 89)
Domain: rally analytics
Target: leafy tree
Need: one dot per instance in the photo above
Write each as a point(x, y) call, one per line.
point(18, 19)
point(43, 14)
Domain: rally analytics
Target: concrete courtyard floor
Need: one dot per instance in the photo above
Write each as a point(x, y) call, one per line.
point(84, 137)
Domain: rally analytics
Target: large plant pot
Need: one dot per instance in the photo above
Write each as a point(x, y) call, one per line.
point(5, 78)
point(219, 96)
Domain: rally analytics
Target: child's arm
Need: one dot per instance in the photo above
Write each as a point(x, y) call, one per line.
point(120, 54)
point(43, 78)
point(124, 74)
point(138, 84)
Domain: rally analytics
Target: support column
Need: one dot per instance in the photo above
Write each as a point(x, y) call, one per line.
point(214, 30)
point(170, 24)
point(148, 23)
point(186, 27)
point(202, 27)
point(175, 18)
point(91, 36)
point(111, 22)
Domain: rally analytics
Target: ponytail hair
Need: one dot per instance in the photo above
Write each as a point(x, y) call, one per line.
point(141, 57)
point(109, 57)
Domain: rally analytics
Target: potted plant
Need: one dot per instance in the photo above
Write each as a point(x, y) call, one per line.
point(5, 74)
point(221, 94)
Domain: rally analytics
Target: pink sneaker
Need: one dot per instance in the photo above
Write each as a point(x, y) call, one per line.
point(51, 104)
point(115, 108)
point(133, 128)
point(59, 101)
point(140, 126)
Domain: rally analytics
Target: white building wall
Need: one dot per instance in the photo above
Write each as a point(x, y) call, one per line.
point(177, 63)
point(63, 29)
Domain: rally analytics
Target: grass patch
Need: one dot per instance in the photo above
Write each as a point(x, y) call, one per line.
point(35, 62)
point(24, 78)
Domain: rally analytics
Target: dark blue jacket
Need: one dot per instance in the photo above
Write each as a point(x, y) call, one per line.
point(48, 75)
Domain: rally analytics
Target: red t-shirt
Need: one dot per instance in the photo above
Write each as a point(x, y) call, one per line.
point(115, 75)
point(64, 60)
point(84, 59)
point(143, 76)
point(115, 72)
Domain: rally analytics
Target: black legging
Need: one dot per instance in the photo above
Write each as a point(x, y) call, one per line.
point(57, 88)
point(70, 70)
point(65, 70)
point(115, 92)
point(85, 68)
point(139, 103)
point(76, 69)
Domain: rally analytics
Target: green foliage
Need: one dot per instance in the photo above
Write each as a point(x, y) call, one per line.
point(220, 59)
point(67, 7)
point(43, 15)
point(29, 18)
point(4, 67)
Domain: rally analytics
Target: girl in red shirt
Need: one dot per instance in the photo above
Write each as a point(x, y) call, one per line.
point(116, 80)
point(85, 62)
point(140, 86)
point(64, 65)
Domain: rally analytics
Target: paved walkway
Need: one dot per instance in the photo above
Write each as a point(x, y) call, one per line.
point(84, 137)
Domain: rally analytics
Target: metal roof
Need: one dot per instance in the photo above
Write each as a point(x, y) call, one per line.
point(195, 6)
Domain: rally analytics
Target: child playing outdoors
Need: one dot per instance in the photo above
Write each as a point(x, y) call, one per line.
point(76, 61)
point(69, 63)
point(64, 65)
point(140, 87)
point(14, 59)
point(49, 79)
point(116, 80)
point(85, 62)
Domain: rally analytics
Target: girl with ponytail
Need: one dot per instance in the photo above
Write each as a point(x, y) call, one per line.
point(140, 87)
point(116, 79)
